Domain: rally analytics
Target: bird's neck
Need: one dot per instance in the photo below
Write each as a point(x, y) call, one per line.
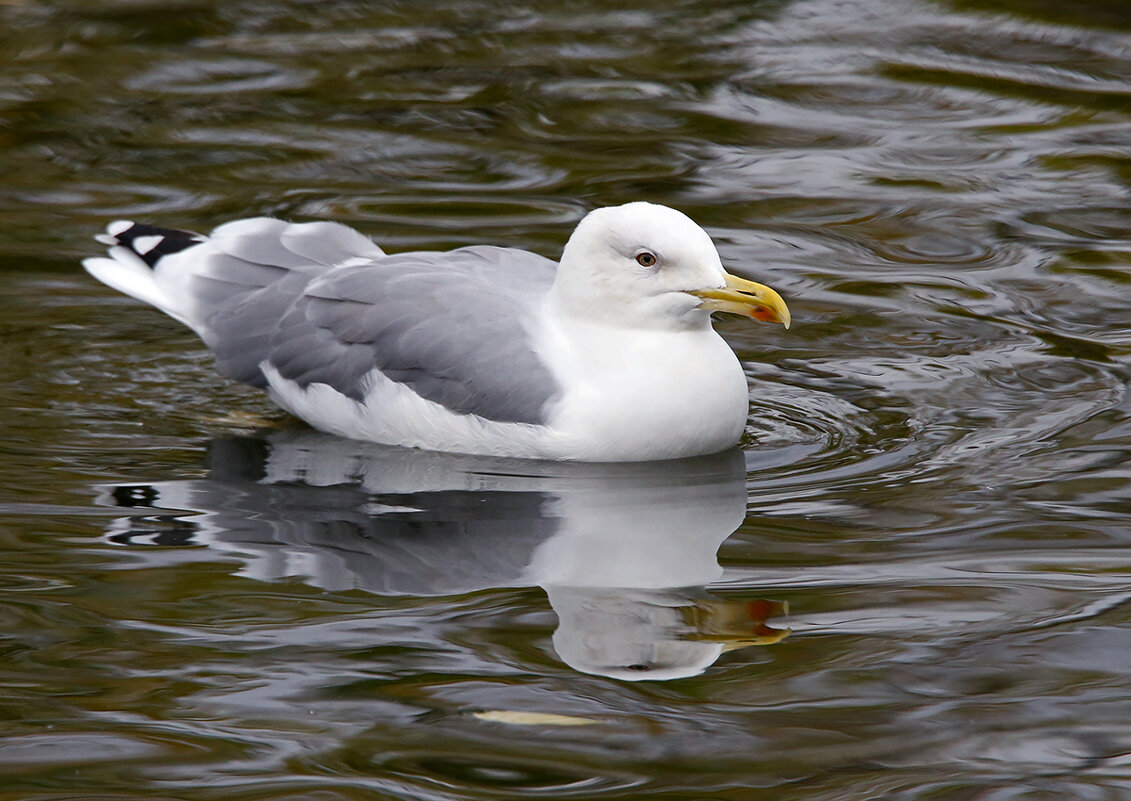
point(568, 308)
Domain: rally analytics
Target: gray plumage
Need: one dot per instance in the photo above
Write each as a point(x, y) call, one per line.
point(321, 304)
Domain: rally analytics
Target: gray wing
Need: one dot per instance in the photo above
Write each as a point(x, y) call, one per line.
point(454, 327)
point(249, 275)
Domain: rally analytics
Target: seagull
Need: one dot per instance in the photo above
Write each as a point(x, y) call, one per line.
point(605, 356)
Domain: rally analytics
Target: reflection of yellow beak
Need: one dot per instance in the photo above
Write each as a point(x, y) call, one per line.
point(747, 298)
point(737, 623)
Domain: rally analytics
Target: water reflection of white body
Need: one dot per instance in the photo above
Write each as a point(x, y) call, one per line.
point(624, 551)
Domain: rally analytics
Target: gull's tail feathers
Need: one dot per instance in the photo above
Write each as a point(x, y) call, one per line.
point(232, 287)
point(134, 249)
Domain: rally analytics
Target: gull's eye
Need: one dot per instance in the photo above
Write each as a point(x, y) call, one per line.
point(646, 259)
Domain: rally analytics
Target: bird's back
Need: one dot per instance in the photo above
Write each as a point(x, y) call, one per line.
point(318, 303)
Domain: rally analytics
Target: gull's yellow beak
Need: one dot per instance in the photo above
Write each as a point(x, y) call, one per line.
point(747, 298)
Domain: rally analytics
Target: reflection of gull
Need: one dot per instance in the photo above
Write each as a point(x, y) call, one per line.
point(623, 550)
point(607, 356)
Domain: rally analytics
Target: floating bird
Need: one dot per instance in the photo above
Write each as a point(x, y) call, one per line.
point(608, 355)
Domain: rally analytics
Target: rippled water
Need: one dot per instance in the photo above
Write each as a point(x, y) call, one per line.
point(911, 583)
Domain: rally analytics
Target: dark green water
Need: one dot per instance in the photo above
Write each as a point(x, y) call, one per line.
point(198, 604)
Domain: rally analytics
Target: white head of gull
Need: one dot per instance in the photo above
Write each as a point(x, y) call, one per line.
point(609, 356)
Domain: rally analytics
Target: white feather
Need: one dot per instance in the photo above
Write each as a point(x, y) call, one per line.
point(127, 273)
point(393, 413)
point(143, 244)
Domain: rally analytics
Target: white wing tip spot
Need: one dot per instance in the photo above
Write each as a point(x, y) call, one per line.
point(144, 244)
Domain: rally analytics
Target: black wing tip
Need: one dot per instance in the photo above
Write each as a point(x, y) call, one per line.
point(149, 242)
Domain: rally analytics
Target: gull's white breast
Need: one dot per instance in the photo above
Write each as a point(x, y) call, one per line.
point(637, 395)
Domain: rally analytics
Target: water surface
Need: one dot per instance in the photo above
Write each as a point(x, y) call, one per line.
point(911, 581)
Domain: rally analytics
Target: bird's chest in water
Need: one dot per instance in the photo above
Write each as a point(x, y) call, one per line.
point(651, 396)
